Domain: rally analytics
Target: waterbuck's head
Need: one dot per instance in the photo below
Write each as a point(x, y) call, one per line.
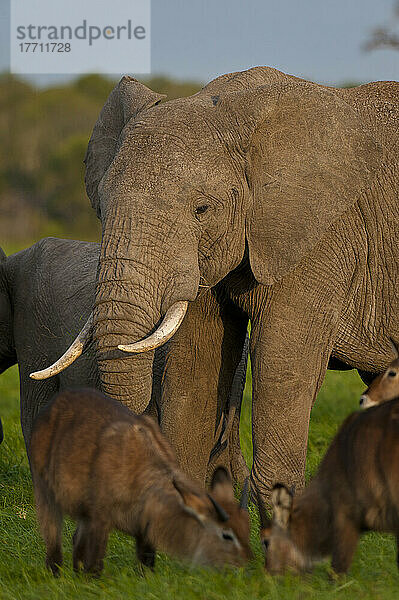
point(385, 387)
point(223, 535)
point(281, 551)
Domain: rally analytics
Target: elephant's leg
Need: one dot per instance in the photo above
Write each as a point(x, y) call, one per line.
point(200, 365)
point(229, 455)
point(290, 347)
point(238, 466)
point(158, 368)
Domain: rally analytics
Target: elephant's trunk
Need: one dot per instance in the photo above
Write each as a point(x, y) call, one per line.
point(137, 284)
point(120, 315)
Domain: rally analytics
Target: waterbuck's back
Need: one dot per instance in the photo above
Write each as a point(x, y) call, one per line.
point(78, 431)
point(362, 462)
point(373, 465)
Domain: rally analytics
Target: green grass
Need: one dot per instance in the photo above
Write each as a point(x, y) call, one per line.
point(23, 576)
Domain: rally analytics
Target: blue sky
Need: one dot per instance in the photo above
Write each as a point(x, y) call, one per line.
point(316, 39)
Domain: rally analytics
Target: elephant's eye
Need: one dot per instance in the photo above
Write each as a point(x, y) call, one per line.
point(200, 210)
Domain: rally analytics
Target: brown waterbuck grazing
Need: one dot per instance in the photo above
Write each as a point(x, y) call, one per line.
point(385, 387)
point(356, 489)
point(93, 459)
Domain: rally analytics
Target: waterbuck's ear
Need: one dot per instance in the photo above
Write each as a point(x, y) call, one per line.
point(265, 534)
point(221, 485)
point(395, 347)
point(198, 506)
point(281, 503)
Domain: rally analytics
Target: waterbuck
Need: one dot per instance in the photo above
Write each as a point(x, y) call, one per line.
point(356, 489)
point(386, 386)
point(96, 461)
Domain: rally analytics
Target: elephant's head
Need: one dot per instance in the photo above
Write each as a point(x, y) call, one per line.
point(182, 187)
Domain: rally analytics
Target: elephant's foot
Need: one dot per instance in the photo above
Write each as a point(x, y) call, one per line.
point(262, 485)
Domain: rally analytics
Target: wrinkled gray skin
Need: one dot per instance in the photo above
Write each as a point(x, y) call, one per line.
point(282, 196)
point(2, 258)
point(45, 293)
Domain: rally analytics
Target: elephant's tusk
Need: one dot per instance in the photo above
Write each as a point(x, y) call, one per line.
point(170, 324)
point(73, 352)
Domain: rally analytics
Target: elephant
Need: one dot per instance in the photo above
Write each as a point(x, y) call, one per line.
point(40, 288)
point(45, 292)
point(263, 197)
point(2, 257)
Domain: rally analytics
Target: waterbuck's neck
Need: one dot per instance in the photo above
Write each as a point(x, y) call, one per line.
point(311, 522)
point(168, 525)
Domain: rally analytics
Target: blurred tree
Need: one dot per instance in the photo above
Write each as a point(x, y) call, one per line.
point(94, 86)
point(173, 89)
point(43, 139)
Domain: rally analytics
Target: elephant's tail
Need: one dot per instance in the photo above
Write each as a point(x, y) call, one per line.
point(237, 390)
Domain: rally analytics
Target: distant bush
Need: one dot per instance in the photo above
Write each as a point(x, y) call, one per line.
point(43, 139)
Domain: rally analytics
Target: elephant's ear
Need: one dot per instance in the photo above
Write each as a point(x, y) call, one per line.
point(308, 161)
point(125, 101)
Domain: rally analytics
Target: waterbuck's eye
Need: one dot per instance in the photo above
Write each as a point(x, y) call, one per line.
point(227, 536)
point(200, 210)
point(391, 373)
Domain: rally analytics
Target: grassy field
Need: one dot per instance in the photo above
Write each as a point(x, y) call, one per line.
point(23, 576)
